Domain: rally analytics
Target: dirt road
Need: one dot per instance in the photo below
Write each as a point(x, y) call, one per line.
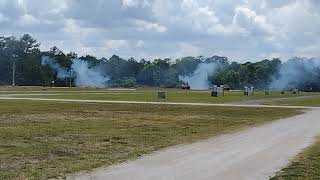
point(157, 103)
point(256, 153)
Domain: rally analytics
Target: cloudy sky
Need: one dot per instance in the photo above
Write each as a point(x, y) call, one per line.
point(240, 29)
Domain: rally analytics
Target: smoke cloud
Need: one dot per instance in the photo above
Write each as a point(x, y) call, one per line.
point(88, 76)
point(199, 78)
point(297, 73)
point(84, 74)
point(61, 72)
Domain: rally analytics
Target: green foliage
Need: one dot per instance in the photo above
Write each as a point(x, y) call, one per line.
point(186, 65)
point(126, 82)
point(22, 55)
point(25, 54)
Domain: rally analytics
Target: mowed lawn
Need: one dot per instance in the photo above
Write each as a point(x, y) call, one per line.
point(309, 101)
point(49, 140)
point(144, 94)
point(40, 140)
point(305, 166)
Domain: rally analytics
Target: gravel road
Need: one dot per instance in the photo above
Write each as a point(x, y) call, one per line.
point(150, 102)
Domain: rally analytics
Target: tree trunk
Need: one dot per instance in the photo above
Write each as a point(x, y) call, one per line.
point(13, 72)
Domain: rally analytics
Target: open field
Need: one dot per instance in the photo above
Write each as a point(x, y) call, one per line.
point(254, 153)
point(305, 166)
point(310, 101)
point(141, 94)
point(51, 139)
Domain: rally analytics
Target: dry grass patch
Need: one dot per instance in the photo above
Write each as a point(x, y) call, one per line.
point(40, 140)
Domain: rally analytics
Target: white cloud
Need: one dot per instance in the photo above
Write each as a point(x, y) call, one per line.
point(135, 3)
point(309, 51)
point(27, 20)
point(241, 29)
point(116, 44)
point(149, 26)
point(250, 21)
point(3, 18)
point(140, 44)
point(186, 49)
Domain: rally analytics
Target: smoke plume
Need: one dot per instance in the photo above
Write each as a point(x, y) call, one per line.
point(199, 78)
point(61, 72)
point(88, 76)
point(84, 75)
point(297, 73)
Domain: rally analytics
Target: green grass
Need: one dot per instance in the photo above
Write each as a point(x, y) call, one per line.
point(310, 101)
point(40, 140)
point(305, 166)
point(148, 94)
point(40, 88)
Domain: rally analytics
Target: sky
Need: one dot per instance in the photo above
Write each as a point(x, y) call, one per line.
point(243, 30)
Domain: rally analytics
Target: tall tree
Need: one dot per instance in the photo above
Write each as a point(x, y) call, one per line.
point(16, 50)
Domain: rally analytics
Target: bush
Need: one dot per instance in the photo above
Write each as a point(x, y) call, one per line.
point(126, 82)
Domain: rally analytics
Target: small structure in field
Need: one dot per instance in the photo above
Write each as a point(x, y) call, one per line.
point(295, 91)
point(226, 87)
point(185, 86)
point(267, 92)
point(44, 87)
point(282, 92)
point(217, 90)
point(252, 90)
point(214, 92)
point(246, 91)
point(161, 94)
point(221, 90)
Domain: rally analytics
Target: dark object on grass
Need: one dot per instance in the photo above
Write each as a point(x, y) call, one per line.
point(282, 92)
point(295, 91)
point(226, 87)
point(185, 86)
point(267, 92)
point(217, 90)
point(214, 94)
point(161, 95)
point(246, 91)
point(251, 90)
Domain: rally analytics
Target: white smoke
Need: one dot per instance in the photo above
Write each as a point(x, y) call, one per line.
point(295, 73)
point(84, 74)
point(199, 78)
point(88, 77)
point(61, 72)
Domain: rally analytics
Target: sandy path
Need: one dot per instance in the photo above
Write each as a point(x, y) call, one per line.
point(255, 153)
point(156, 103)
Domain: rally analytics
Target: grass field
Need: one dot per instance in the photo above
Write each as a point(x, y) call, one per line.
point(305, 166)
point(40, 140)
point(310, 101)
point(141, 94)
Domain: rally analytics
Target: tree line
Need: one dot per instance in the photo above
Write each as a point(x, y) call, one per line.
point(20, 59)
